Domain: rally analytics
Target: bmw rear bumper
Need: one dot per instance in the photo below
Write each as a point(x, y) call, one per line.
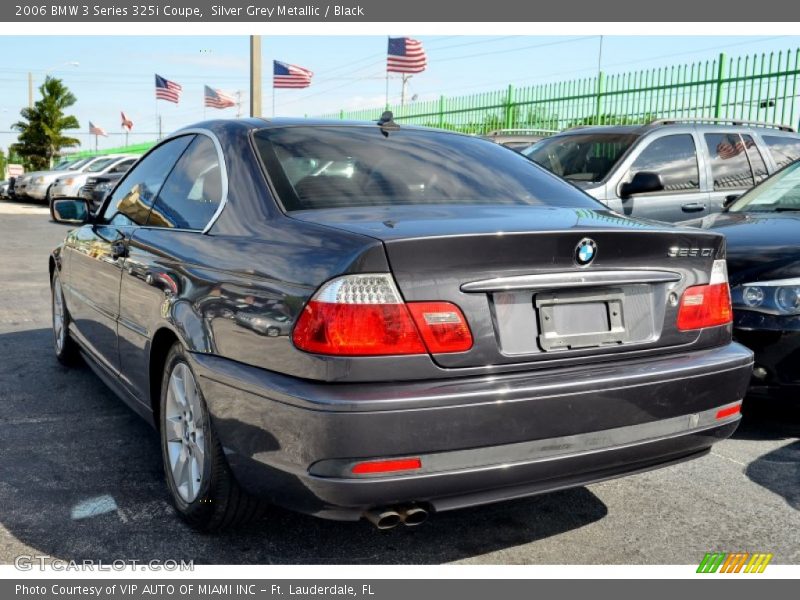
point(480, 440)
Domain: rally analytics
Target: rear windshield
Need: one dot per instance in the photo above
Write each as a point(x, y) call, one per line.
point(341, 166)
point(581, 157)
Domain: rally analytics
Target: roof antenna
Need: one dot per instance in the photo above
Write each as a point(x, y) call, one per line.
point(387, 124)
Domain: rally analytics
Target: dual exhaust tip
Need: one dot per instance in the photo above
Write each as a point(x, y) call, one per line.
point(389, 518)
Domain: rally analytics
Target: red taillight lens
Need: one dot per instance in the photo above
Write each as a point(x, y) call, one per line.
point(387, 466)
point(705, 306)
point(442, 325)
point(357, 330)
point(364, 315)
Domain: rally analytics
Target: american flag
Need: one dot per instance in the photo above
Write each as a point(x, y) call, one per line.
point(285, 75)
point(406, 55)
point(217, 98)
point(167, 90)
point(729, 147)
point(95, 130)
point(126, 122)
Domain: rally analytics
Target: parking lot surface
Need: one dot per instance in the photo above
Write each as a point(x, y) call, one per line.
point(81, 477)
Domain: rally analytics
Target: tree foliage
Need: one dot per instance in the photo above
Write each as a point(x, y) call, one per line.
point(42, 127)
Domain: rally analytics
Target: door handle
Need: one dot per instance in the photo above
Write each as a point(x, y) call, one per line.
point(693, 207)
point(118, 250)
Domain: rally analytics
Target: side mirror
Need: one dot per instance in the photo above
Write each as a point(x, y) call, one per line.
point(74, 211)
point(642, 183)
point(730, 200)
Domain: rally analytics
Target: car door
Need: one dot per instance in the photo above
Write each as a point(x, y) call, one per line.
point(735, 165)
point(164, 254)
point(674, 157)
point(96, 252)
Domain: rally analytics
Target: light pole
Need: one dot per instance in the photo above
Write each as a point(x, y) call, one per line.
point(70, 63)
point(255, 75)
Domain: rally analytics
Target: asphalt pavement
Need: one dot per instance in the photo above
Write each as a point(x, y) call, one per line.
point(81, 476)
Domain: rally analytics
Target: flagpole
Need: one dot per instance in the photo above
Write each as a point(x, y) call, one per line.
point(158, 119)
point(387, 81)
point(273, 100)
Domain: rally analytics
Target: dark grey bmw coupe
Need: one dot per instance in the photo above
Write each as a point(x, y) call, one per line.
point(366, 320)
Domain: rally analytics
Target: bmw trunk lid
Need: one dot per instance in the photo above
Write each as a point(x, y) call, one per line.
point(541, 284)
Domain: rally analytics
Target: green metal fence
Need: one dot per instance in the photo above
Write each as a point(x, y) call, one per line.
point(130, 149)
point(760, 87)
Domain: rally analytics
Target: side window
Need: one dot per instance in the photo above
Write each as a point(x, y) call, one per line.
point(674, 157)
point(729, 165)
point(784, 150)
point(130, 204)
point(193, 190)
point(756, 160)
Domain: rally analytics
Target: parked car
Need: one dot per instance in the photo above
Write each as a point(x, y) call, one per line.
point(518, 139)
point(442, 337)
point(10, 192)
point(35, 185)
point(668, 170)
point(762, 229)
point(4, 189)
point(97, 188)
point(69, 183)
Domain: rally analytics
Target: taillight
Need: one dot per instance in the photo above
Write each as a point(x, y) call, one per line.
point(442, 325)
point(364, 315)
point(707, 305)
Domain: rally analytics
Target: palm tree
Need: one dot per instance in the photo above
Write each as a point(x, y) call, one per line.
point(41, 136)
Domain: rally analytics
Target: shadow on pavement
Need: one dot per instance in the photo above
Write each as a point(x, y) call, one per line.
point(82, 479)
point(779, 472)
point(767, 418)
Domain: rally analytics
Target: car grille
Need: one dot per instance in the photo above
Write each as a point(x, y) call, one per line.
point(88, 189)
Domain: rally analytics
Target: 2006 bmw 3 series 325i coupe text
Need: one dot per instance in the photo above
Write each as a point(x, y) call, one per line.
point(371, 320)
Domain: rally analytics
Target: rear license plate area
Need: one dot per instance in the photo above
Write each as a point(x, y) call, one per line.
point(585, 319)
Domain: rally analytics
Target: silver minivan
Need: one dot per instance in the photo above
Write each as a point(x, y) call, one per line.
point(668, 170)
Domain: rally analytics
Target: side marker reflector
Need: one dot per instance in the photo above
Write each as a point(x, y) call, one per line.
point(730, 411)
point(387, 466)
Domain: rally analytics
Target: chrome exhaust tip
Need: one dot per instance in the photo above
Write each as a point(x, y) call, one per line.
point(383, 518)
point(414, 515)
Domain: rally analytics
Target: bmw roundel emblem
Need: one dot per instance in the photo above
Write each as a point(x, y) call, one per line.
point(585, 251)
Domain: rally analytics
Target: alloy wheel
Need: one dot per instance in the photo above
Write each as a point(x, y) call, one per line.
point(59, 329)
point(184, 427)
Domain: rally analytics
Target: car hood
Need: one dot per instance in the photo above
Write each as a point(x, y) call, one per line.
point(404, 222)
point(47, 172)
point(761, 246)
point(61, 174)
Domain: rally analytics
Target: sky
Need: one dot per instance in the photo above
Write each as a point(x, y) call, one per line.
point(113, 74)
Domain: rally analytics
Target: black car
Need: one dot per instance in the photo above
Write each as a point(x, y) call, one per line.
point(366, 320)
point(762, 229)
point(97, 188)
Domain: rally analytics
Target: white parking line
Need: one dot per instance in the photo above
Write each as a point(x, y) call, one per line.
point(733, 460)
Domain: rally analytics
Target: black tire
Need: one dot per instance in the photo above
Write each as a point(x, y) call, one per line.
point(66, 349)
point(220, 503)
